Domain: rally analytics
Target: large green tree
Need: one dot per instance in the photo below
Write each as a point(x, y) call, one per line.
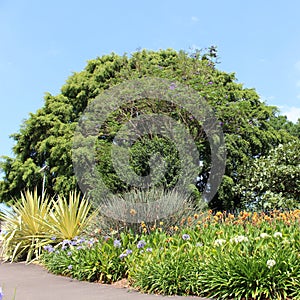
point(272, 181)
point(45, 138)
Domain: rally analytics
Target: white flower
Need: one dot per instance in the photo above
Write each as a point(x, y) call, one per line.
point(219, 242)
point(264, 235)
point(278, 234)
point(271, 263)
point(239, 239)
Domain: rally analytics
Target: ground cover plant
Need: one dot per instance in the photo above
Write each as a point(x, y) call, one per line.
point(222, 256)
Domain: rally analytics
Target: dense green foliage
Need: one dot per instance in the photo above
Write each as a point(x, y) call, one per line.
point(45, 138)
point(221, 256)
point(273, 181)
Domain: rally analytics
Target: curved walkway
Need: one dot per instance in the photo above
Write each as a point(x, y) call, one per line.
point(32, 282)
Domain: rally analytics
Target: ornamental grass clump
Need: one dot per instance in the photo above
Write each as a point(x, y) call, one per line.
point(125, 212)
point(26, 228)
point(36, 221)
point(70, 216)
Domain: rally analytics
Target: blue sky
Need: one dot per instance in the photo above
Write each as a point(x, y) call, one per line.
point(43, 42)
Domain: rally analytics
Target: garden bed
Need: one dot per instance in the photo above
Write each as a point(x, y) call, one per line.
point(222, 256)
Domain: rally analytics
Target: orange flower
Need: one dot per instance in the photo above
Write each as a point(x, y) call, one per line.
point(231, 216)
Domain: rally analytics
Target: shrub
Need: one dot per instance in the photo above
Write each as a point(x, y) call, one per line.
point(36, 221)
point(70, 216)
point(26, 229)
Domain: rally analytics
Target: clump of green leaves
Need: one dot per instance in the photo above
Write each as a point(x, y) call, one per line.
point(36, 221)
point(90, 259)
point(273, 181)
point(70, 216)
point(25, 226)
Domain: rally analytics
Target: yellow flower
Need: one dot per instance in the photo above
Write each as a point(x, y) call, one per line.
point(132, 212)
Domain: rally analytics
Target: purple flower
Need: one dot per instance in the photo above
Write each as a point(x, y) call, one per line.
point(128, 251)
point(117, 243)
point(65, 243)
point(73, 243)
point(53, 238)
point(221, 123)
point(210, 82)
point(172, 86)
point(69, 253)
point(70, 267)
point(141, 244)
point(185, 237)
point(1, 293)
point(49, 248)
point(91, 242)
point(149, 249)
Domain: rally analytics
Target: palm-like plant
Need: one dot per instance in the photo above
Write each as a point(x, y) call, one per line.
point(36, 221)
point(70, 216)
point(26, 230)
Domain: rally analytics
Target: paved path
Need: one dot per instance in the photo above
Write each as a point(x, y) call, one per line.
point(32, 282)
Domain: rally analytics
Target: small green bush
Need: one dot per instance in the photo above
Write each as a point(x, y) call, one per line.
point(89, 259)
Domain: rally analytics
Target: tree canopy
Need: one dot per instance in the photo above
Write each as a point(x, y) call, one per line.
point(273, 181)
point(251, 128)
